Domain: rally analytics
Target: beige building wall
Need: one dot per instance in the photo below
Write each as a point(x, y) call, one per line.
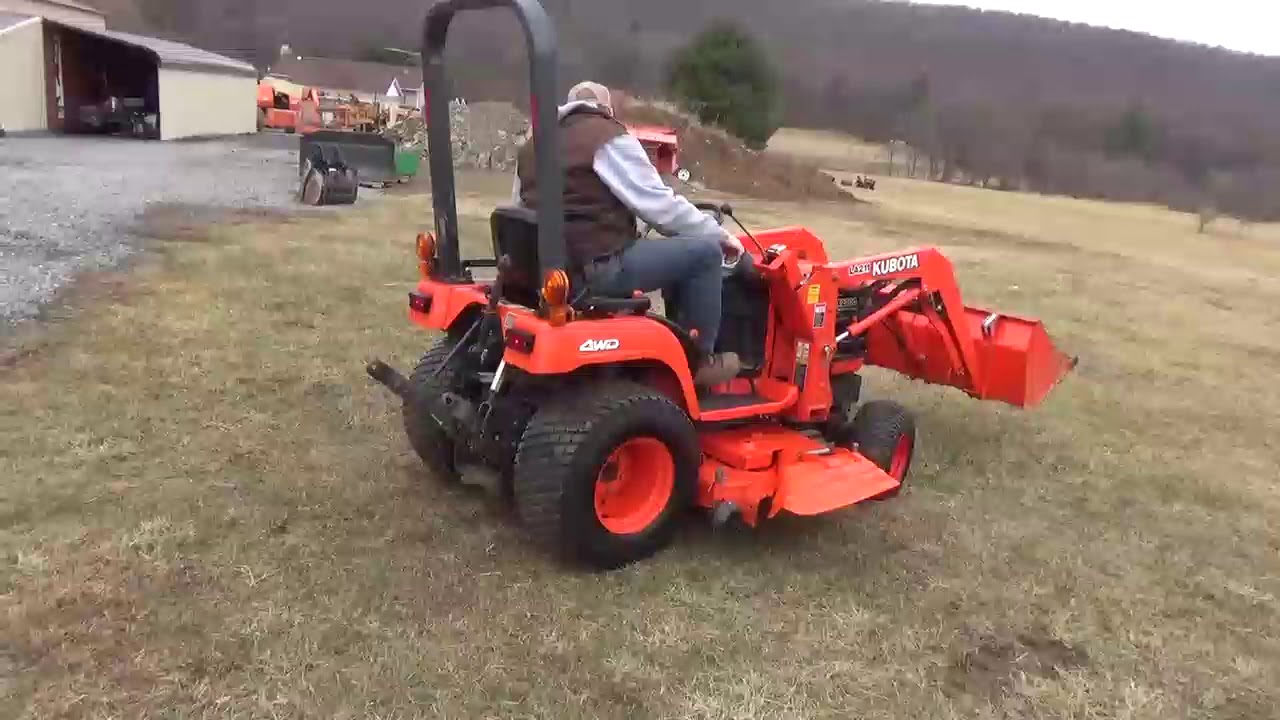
point(197, 104)
point(22, 82)
point(55, 11)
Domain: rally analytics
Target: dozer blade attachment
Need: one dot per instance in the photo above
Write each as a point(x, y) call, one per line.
point(371, 155)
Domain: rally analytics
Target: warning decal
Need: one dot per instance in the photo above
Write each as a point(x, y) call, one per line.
point(820, 315)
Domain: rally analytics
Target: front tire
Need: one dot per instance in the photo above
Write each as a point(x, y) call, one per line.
point(429, 441)
point(885, 434)
point(603, 474)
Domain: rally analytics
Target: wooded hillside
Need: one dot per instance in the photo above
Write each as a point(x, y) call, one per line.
point(1004, 99)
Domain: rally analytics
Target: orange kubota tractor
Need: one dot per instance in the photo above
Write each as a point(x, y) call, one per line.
point(585, 406)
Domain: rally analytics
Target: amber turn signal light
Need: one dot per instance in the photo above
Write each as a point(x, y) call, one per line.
point(555, 289)
point(555, 297)
point(426, 250)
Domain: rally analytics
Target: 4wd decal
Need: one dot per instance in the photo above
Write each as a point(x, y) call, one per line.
point(887, 267)
point(594, 346)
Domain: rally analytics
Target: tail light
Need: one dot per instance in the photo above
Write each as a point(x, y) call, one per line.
point(520, 341)
point(419, 302)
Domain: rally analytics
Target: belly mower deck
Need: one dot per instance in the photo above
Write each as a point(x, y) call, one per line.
point(759, 471)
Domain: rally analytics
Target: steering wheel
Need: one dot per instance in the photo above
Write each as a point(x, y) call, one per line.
point(743, 263)
point(715, 210)
point(718, 211)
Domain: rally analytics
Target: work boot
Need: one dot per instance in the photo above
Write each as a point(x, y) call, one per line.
point(717, 369)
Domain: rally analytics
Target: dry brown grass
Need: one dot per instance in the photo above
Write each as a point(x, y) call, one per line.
point(832, 151)
point(208, 511)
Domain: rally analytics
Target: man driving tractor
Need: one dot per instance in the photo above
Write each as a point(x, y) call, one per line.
point(609, 183)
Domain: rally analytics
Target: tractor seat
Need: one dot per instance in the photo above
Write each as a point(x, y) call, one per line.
point(515, 237)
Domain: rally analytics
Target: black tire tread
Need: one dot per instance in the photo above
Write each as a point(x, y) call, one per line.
point(548, 459)
point(425, 436)
point(876, 429)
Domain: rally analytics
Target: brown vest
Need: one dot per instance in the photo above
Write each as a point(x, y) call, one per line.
point(596, 223)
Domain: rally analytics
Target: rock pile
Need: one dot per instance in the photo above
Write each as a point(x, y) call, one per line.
point(486, 135)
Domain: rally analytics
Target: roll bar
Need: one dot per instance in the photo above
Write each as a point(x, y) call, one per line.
point(540, 39)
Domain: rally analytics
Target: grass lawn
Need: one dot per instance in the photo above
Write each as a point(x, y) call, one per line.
point(834, 151)
point(208, 511)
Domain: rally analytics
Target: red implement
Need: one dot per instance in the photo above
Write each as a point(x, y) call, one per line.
point(922, 330)
point(798, 474)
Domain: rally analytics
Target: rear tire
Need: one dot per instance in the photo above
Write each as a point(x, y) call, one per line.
point(885, 433)
point(573, 463)
point(429, 441)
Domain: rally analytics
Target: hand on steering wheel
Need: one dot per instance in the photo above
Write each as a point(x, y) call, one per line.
point(732, 248)
point(730, 245)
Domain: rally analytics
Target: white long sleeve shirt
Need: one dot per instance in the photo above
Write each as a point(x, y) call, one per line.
point(625, 168)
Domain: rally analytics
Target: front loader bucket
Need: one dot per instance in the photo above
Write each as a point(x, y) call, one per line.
point(1015, 360)
point(1019, 362)
point(371, 155)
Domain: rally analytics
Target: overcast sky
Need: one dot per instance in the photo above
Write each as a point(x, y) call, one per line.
point(1246, 25)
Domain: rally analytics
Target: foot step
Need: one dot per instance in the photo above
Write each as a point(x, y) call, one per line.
point(718, 401)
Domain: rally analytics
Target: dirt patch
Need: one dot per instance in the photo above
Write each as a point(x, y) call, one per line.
point(26, 345)
point(723, 163)
point(11, 358)
point(990, 667)
point(184, 222)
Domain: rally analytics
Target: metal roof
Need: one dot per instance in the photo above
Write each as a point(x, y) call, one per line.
point(9, 20)
point(177, 55)
point(76, 5)
point(346, 75)
point(170, 54)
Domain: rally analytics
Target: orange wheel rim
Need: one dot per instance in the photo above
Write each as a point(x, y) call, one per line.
point(634, 486)
point(901, 458)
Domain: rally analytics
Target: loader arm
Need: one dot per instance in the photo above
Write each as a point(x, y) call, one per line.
point(918, 325)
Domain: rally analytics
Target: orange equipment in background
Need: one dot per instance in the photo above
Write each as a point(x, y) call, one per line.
point(279, 109)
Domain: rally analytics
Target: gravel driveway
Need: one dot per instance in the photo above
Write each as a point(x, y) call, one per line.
point(67, 204)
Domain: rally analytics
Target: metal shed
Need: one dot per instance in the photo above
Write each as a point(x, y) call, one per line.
point(23, 90)
point(83, 80)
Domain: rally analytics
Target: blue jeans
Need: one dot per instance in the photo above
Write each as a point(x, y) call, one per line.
point(687, 269)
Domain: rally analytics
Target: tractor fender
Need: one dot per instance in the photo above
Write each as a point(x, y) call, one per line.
point(444, 303)
point(625, 342)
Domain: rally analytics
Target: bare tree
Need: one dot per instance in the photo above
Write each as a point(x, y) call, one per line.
point(892, 149)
